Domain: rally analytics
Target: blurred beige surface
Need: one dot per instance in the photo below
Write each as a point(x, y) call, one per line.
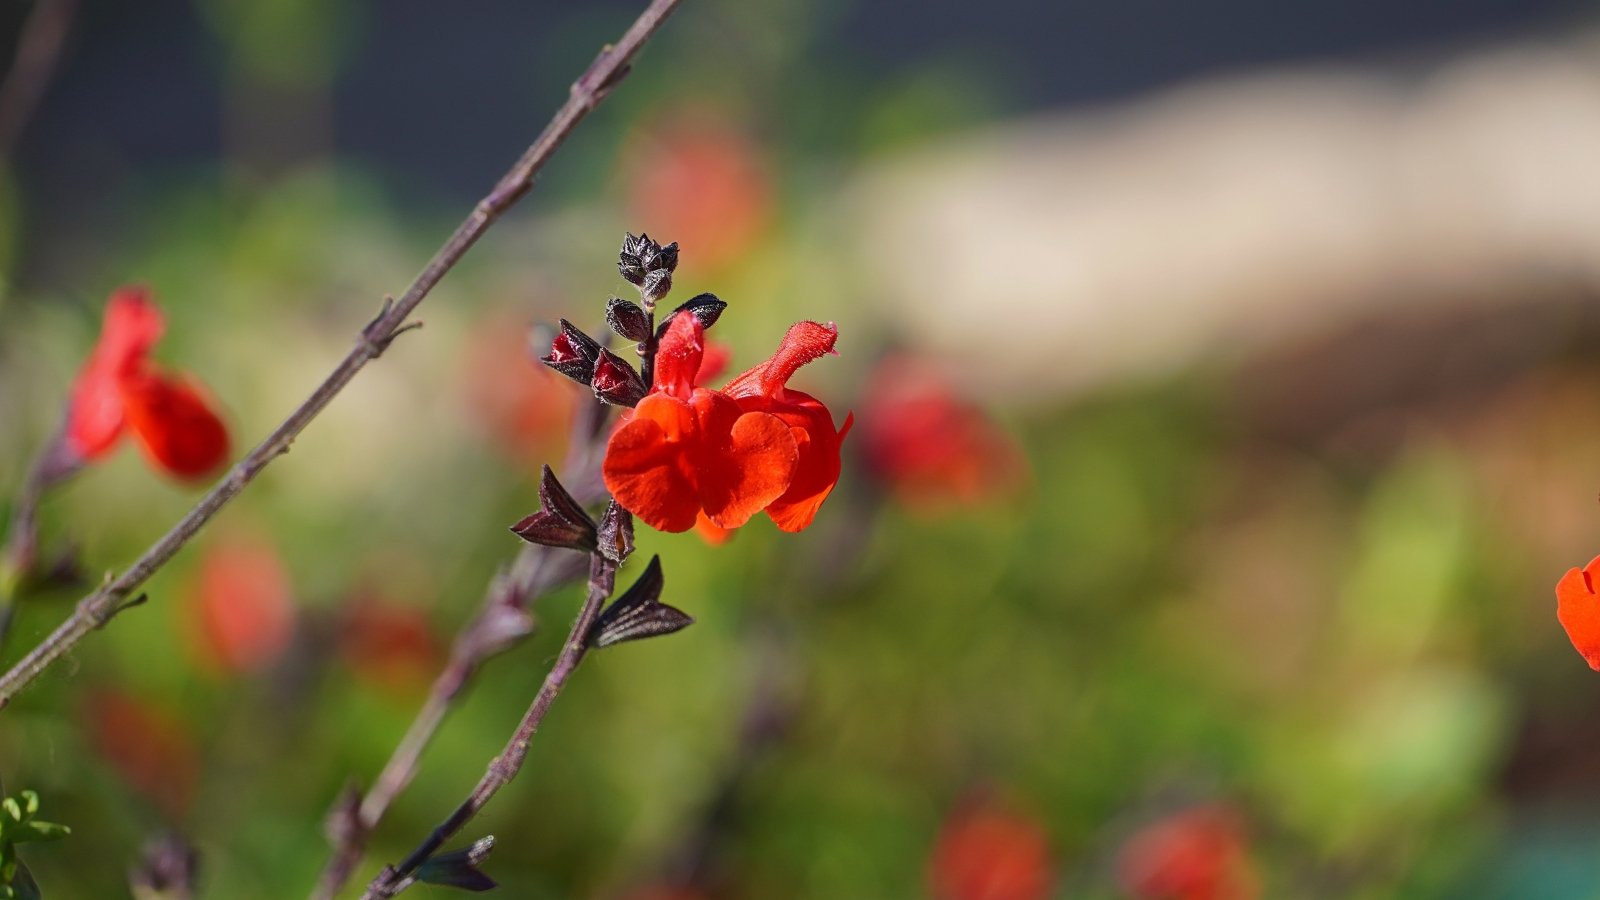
point(1069, 250)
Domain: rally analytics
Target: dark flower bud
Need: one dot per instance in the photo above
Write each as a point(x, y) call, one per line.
point(629, 268)
point(561, 520)
point(616, 382)
point(705, 307)
point(627, 319)
point(639, 612)
point(573, 353)
point(616, 533)
point(459, 868)
point(641, 257)
point(657, 284)
point(665, 258)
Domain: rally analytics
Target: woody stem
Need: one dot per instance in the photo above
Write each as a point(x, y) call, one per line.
point(504, 767)
point(99, 607)
point(535, 570)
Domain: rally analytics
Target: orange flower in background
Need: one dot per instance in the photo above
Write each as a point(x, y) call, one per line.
point(764, 389)
point(1197, 854)
point(242, 607)
point(1578, 609)
point(120, 390)
point(389, 645)
point(988, 852)
point(525, 407)
point(927, 444)
point(150, 749)
point(699, 178)
point(687, 450)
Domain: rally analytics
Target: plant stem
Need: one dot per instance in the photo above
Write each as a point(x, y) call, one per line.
point(534, 571)
point(504, 767)
point(98, 608)
point(32, 65)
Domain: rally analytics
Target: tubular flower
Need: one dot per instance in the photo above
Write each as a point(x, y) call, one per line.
point(1578, 609)
point(688, 449)
point(120, 390)
point(764, 389)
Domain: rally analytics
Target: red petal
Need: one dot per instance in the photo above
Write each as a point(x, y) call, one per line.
point(711, 532)
point(175, 424)
point(679, 355)
point(131, 327)
point(646, 465)
point(1578, 609)
point(243, 606)
point(743, 461)
point(713, 362)
point(817, 444)
point(804, 342)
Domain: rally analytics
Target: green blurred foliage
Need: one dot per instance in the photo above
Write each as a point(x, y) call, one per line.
point(1169, 610)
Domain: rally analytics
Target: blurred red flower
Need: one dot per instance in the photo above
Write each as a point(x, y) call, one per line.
point(697, 177)
point(388, 645)
point(1578, 610)
point(688, 450)
point(525, 407)
point(150, 749)
point(927, 444)
point(1197, 854)
point(119, 389)
point(988, 852)
point(242, 606)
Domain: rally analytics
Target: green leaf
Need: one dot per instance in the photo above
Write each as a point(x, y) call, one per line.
point(34, 832)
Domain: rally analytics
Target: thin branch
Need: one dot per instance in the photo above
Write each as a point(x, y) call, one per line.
point(38, 51)
point(19, 557)
point(95, 610)
point(535, 571)
point(394, 879)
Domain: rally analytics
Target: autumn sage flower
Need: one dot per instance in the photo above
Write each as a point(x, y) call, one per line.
point(120, 390)
point(757, 445)
point(1578, 609)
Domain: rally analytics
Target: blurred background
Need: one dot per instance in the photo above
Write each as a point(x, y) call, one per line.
point(1224, 417)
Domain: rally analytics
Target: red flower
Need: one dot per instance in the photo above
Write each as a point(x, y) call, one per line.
point(764, 389)
point(1578, 609)
point(1197, 854)
point(119, 390)
point(151, 750)
point(927, 444)
point(388, 645)
point(242, 606)
point(697, 177)
point(525, 407)
point(986, 852)
point(729, 454)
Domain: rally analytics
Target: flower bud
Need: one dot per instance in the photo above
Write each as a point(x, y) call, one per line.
point(573, 353)
point(616, 382)
point(616, 533)
point(627, 319)
point(705, 307)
